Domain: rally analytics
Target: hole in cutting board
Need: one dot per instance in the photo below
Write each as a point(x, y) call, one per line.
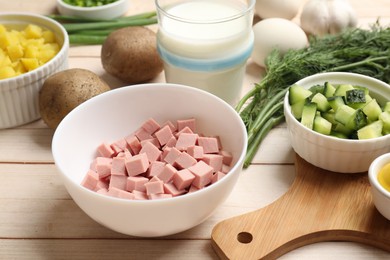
point(244, 237)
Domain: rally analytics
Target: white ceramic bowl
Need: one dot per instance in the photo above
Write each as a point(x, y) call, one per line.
point(331, 153)
point(19, 95)
point(380, 195)
point(119, 112)
point(104, 12)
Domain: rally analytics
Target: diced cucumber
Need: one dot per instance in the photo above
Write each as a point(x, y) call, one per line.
point(372, 110)
point(329, 90)
point(387, 107)
point(321, 125)
point(316, 89)
point(339, 127)
point(335, 102)
point(344, 114)
point(385, 118)
point(339, 135)
point(296, 109)
point(309, 112)
point(321, 101)
point(372, 130)
point(329, 116)
point(342, 89)
point(354, 96)
point(358, 121)
point(298, 93)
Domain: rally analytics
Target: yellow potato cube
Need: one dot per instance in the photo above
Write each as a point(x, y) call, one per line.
point(7, 72)
point(46, 54)
point(31, 51)
point(15, 52)
point(33, 31)
point(2, 28)
point(30, 63)
point(5, 61)
point(19, 67)
point(49, 36)
point(8, 38)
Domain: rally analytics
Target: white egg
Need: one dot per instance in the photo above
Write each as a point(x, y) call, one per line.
point(276, 33)
point(286, 9)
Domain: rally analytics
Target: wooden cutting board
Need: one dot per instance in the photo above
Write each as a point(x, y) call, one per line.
point(319, 206)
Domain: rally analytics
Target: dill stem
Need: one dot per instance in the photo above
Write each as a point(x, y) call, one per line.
point(245, 98)
point(358, 63)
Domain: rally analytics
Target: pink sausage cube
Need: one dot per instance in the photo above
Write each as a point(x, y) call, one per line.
point(185, 130)
point(136, 183)
point(227, 157)
point(154, 141)
point(170, 188)
point(190, 123)
point(167, 173)
point(217, 176)
point(90, 180)
point(183, 179)
point(172, 142)
point(139, 195)
point(214, 160)
point(137, 164)
point(115, 192)
point(118, 166)
point(119, 146)
point(159, 196)
point(184, 161)
point(105, 150)
point(103, 166)
point(151, 151)
point(154, 187)
point(225, 168)
point(195, 151)
point(134, 144)
point(209, 144)
point(118, 181)
point(164, 135)
point(171, 125)
point(150, 126)
point(203, 173)
point(142, 134)
point(171, 156)
point(155, 168)
point(186, 140)
point(193, 189)
point(101, 185)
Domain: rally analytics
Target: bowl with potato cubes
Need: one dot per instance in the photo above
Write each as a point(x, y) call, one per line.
point(32, 47)
point(339, 121)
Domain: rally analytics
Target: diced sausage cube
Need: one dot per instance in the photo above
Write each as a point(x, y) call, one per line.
point(136, 183)
point(183, 179)
point(184, 161)
point(171, 155)
point(142, 134)
point(119, 146)
point(150, 126)
point(134, 144)
point(90, 180)
point(227, 157)
point(171, 125)
point(155, 168)
point(105, 150)
point(154, 141)
point(195, 151)
point(115, 192)
point(185, 130)
point(172, 142)
point(214, 160)
point(139, 195)
point(170, 188)
point(193, 189)
point(209, 144)
point(103, 166)
point(164, 135)
point(137, 164)
point(225, 168)
point(186, 140)
point(118, 181)
point(217, 176)
point(102, 184)
point(167, 173)
point(102, 191)
point(203, 173)
point(154, 187)
point(118, 166)
point(190, 123)
point(151, 151)
point(159, 196)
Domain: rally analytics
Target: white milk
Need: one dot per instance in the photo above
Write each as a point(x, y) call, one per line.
point(210, 53)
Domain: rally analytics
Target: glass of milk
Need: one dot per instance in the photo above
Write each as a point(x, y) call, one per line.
point(206, 43)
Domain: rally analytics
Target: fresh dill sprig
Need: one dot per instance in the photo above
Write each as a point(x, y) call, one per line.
point(355, 50)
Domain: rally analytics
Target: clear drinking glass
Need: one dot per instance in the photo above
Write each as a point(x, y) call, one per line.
point(206, 43)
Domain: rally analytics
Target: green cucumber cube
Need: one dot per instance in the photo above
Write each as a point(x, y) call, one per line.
point(329, 90)
point(344, 114)
point(372, 110)
point(298, 93)
point(309, 112)
point(321, 101)
point(321, 125)
point(372, 130)
point(335, 102)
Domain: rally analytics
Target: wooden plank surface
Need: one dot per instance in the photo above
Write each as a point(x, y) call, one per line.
point(39, 220)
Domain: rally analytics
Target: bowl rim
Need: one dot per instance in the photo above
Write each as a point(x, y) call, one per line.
point(104, 95)
point(90, 9)
point(27, 76)
point(287, 109)
point(373, 172)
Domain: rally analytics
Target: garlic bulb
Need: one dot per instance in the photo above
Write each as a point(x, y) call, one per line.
point(320, 17)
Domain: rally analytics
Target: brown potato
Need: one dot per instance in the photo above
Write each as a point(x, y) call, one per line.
point(65, 90)
point(130, 54)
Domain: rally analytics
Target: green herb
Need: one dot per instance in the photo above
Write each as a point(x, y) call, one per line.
point(92, 31)
point(355, 50)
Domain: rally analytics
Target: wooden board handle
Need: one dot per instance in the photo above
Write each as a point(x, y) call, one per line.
point(319, 206)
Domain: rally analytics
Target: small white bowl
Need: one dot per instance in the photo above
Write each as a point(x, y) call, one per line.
point(19, 95)
point(331, 153)
point(104, 12)
point(119, 112)
point(380, 195)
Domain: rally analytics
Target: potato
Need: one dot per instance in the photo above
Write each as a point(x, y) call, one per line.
point(65, 90)
point(130, 54)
